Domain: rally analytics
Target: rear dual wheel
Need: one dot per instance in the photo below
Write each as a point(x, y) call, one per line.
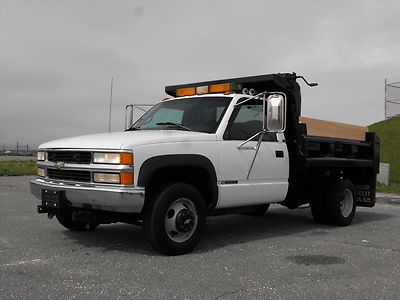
point(337, 206)
point(174, 221)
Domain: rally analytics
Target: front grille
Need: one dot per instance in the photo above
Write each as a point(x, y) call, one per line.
point(77, 157)
point(72, 175)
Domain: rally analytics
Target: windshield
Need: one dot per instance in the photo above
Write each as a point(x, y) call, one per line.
point(195, 114)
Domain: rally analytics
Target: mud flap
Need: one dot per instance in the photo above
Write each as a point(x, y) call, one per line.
point(365, 195)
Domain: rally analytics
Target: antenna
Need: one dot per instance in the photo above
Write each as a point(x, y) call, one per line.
point(109, 117)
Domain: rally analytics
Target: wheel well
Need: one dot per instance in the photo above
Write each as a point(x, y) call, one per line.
point(193, 175)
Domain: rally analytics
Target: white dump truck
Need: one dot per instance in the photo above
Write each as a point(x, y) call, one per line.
point(215, 147)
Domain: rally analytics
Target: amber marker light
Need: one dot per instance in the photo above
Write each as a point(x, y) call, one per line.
point(186, 91)
point(126, 178)
point(126, 158)
point(220, 88)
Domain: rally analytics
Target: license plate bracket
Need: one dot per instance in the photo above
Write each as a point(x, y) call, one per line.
point(53, 199)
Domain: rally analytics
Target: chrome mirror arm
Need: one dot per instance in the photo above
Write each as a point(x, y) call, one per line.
point(255, 154)
point(248, 140)
point(256, 148)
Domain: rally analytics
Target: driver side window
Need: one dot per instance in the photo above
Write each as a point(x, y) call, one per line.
point(246, 121)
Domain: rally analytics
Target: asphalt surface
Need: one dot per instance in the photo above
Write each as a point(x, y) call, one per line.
point(283, 255)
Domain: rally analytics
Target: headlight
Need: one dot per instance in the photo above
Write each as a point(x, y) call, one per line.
point(40, 172)
point(125, 158)
point(41, 155)
point(106, 177)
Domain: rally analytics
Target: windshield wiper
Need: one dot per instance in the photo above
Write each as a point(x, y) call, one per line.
point(175, 124)
point(133, 128)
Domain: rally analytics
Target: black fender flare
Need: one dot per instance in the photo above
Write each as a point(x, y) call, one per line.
point(153, 164)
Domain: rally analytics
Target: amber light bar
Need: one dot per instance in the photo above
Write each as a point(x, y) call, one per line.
point(230, 85)
point(205, 89)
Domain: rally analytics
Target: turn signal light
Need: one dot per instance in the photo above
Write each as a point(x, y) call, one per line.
point(126, 178)
point(126, 158)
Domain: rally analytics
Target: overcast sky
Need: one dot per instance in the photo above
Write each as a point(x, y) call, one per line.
point(57, 57)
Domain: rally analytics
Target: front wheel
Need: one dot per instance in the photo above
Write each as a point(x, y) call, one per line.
point(174, 221)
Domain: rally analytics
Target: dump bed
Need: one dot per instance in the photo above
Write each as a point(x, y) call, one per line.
point(317, 127)
point(334, 144)
point(323, 150)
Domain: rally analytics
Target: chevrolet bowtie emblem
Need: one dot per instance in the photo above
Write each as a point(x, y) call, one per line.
point(60, 164)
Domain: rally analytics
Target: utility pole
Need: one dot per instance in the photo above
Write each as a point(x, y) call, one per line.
point(385, 99)
point(109, 117)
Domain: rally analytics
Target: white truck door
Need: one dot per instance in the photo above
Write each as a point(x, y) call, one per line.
point(268, 179)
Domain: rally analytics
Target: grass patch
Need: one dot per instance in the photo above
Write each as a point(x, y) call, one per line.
point(389, 132)
point(17, 167)
point(391, 188)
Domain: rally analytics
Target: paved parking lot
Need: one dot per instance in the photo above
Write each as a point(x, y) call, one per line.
point(283, 255)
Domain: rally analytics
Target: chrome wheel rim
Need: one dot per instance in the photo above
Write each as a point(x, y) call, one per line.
point(181, 220)
point(346, 202)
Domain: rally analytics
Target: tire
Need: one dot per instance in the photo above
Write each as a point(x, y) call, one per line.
point(64, 217)
point(318, 207)
point(259, 211)
point(341, 202)
point(174, 221)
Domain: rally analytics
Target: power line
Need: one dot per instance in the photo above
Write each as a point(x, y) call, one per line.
point(109, 117)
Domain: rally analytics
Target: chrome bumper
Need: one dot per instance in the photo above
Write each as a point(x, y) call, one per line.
point(113, 198)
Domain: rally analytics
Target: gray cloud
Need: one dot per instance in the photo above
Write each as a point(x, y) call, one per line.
point(57, 57)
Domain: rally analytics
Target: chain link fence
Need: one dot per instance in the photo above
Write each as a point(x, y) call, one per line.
point(17, 149)
point(392, 99)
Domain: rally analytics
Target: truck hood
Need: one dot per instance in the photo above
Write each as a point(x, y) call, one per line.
point(127, 139)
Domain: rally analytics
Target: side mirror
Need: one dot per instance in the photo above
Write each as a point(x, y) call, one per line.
point(128, 116)
point(275, 113)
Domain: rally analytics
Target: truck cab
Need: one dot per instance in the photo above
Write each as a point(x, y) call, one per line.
point(216, 147)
